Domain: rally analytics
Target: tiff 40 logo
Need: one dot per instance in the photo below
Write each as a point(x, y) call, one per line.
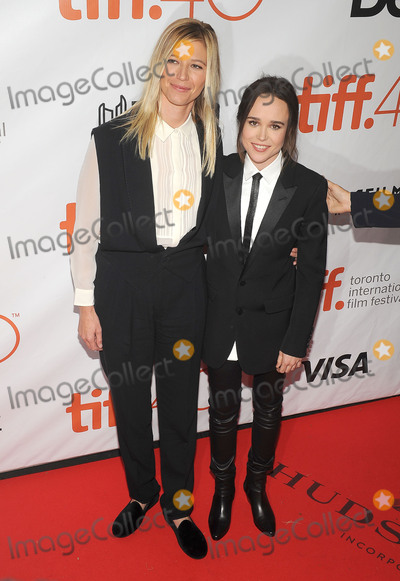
point(352, 91)
point(71, 12)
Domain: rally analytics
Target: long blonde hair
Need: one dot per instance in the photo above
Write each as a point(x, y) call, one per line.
point(144, 113)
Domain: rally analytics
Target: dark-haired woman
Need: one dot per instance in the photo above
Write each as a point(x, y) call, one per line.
point(261, 307)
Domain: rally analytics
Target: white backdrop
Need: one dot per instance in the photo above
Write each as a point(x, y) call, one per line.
point(64, 69)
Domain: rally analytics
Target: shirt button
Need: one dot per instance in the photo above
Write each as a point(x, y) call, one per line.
point(239, 311)
point(242, 282)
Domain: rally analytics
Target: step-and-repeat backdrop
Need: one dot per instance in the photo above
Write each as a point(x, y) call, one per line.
point(69, 65)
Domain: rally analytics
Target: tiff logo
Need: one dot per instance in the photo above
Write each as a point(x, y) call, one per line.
point(92, 9)
point(340, 98)
point(329, 287)
point(137, 9)
point(95, 408)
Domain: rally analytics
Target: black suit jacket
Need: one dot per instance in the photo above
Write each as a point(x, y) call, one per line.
point(265, 304)
point(128, 223)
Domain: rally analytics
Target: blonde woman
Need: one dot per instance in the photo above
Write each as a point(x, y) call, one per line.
point(149, 177)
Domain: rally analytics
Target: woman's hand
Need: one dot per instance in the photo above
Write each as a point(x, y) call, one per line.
point(338, 199)
point(89, 328)
point(287, 363)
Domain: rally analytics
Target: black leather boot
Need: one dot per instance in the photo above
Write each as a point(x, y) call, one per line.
point(223, 451)
point(267, 401)
point(219, 519)
point(225, 399)
point(263, 515)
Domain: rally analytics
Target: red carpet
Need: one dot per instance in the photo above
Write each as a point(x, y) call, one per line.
point(334, 463)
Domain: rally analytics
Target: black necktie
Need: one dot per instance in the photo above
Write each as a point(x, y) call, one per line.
point(248, 226)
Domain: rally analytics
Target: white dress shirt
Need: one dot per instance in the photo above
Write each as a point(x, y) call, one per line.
point(270, 175)
point(176, 174)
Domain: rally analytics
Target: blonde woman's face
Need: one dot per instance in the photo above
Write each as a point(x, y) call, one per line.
point(184, 75)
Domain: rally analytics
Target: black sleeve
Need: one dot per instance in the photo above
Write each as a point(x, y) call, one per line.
point(311, 261)
point(379, 214)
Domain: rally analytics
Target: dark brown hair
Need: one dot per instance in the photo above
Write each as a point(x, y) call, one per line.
point(272, 87)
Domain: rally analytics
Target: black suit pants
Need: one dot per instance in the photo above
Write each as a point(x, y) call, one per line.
point(145, 310)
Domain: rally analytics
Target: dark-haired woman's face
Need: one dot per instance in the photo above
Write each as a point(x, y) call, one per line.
point(265, 129)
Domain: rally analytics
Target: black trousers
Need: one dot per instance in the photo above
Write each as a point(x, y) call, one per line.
point(225, 398)
point(145, 310)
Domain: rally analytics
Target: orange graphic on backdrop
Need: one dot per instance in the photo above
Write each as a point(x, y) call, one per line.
point(79, 419)
point(232, 18)
point(69, 223)
point(17, 338)
point(137, 9)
